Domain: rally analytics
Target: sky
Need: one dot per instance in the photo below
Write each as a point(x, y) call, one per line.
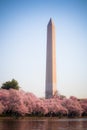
point(23, 37)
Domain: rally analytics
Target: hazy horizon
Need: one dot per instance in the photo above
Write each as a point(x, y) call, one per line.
point(23, 35)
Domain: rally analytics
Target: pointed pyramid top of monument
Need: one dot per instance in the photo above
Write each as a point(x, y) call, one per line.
point(51, 22)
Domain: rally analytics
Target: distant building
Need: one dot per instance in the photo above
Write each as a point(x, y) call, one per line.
point(51, 81)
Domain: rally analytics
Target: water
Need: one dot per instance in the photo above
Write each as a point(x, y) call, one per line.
point(44, 124)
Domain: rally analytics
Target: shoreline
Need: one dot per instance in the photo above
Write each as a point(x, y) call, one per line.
point(41, 118)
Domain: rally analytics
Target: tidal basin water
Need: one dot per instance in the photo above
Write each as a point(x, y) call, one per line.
point(44, 124)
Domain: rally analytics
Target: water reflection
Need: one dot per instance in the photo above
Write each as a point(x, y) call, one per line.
point(44, 124)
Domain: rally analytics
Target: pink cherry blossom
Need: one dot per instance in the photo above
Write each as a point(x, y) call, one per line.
point(23, 103)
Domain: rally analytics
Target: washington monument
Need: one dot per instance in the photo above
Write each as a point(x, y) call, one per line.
point(51, 83)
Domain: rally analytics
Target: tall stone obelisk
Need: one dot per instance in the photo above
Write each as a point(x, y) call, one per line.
point(51, 83)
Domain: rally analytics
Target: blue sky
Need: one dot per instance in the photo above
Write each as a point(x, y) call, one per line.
point(23, 29)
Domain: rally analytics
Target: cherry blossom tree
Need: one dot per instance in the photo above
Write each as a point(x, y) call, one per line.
point(19, 103)
point(84, 106)
point(73, 106)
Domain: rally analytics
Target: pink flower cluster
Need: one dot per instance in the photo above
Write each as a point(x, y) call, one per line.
point(23, 103)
